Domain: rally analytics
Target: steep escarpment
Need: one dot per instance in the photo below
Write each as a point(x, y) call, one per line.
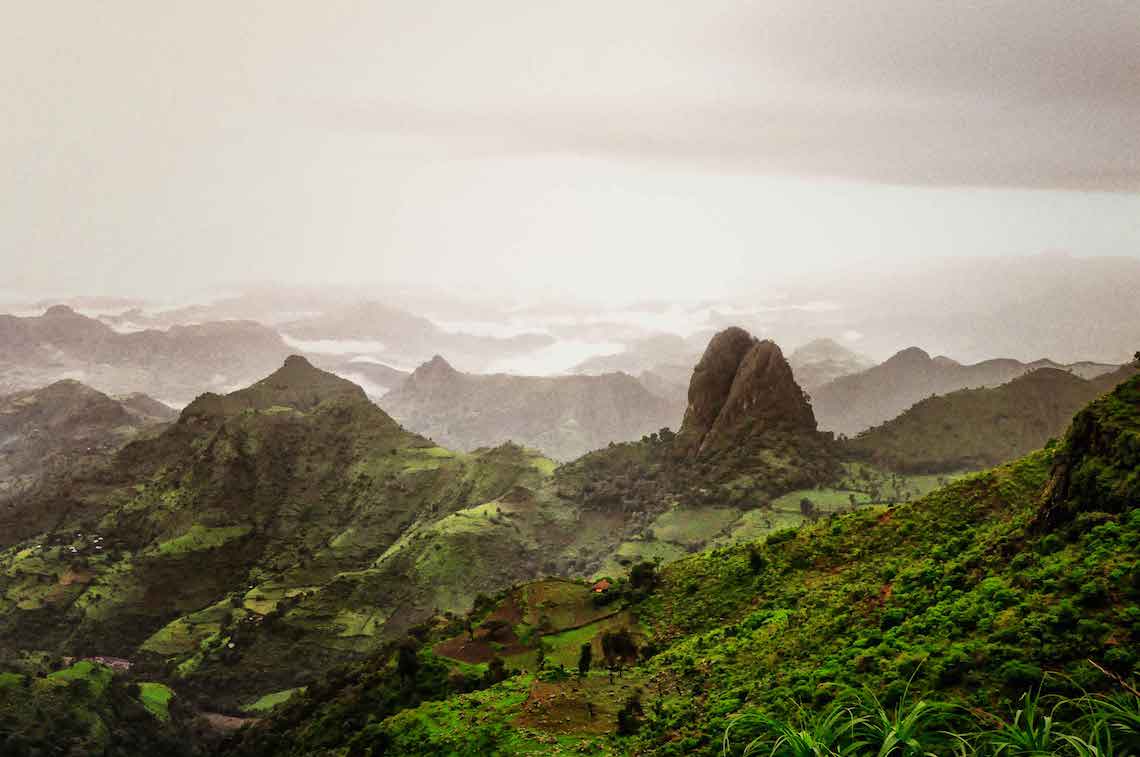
point(277, 531)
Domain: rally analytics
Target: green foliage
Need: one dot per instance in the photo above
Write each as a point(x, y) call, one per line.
point(156, 698)
point(859, 724)
point(585, 658)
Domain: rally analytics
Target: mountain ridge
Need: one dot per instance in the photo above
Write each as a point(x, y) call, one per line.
point(564, 416)
point(853, 403)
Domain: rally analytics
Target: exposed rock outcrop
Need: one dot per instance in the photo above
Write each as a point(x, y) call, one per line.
point(742, 387)
point(1097, 468)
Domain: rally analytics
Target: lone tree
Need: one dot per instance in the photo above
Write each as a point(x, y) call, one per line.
point(1136, 359)
point(585, 657)
point(540, 652)
point(630, 715)
point(643, 576)
point(407, 659)
point(619, 646)
point(756, 560)
point(496, 671)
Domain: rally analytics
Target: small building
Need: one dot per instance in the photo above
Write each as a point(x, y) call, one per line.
point(602, 586)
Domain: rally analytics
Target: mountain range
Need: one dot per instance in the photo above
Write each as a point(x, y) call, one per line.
point(56, 430)
point(173, 365)
point(853, 403)
point(290, 542)
point(972, 429)
point(564, 416)
point(329, 530)
point(930, 616)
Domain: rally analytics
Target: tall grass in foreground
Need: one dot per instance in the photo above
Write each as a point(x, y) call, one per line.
point(1092, 725)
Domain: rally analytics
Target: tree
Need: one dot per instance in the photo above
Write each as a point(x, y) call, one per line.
point(495, 628)
point(807, 508)
point(540, 652)
point(629, 716)
point(585, 657)
point(643, 576)
point(1136, 359)
point(496, 670)
point(756, 560)
point(618, 646)
point(407, 659)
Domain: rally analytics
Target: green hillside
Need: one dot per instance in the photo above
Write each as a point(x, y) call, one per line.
point(1019, 579)
point(221, 549)
point(275, 532)
point(973, 429)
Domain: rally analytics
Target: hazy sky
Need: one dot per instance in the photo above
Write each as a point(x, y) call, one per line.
point(617, 150)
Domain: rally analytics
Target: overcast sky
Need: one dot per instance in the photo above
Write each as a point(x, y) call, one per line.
point(605, 149)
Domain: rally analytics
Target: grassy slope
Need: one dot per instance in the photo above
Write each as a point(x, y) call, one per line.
point(963, 593)
point(285, 503)
point(328, 530)
point(978, 428)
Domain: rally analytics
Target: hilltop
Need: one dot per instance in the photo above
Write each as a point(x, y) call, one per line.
point(563, 416)
point(60, 430)
point(972, 429)
point(250, 499)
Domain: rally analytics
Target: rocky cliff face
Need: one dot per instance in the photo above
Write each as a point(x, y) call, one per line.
point(1097, 468)
point(741, 388)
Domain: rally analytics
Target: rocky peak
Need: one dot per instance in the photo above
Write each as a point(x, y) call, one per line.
point(909, 356)
point(434, 370)
point(297, 384)
point(61, 311)
point(741, 388)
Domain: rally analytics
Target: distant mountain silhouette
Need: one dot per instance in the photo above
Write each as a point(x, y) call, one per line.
point(853, 403)
point(62, 428)
point(173, 365)
point(978, 428)
point(823, 360)
point(564, 416)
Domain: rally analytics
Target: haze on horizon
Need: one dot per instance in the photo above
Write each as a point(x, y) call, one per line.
point(584, 151)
